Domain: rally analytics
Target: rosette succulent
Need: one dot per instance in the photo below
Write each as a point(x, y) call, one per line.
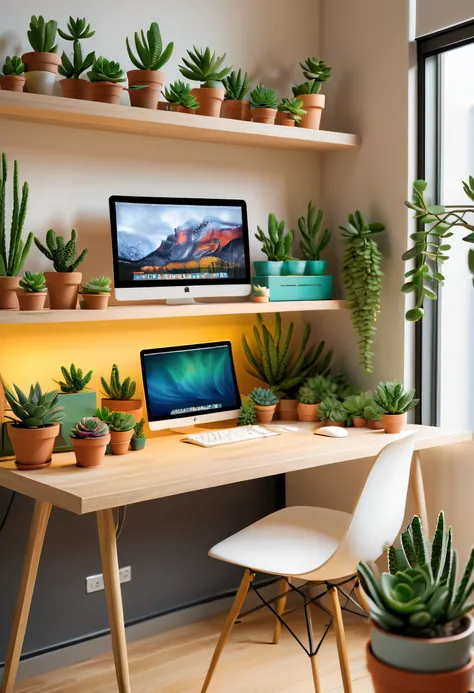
point(263, 397)
point(90, 427)
point(33, 282)
point(36, 409)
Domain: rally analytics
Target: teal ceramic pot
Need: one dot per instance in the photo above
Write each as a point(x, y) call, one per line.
point(315, 268)
point(294, 267)
point(76, 406)
point(138, 443)
point(267, 268)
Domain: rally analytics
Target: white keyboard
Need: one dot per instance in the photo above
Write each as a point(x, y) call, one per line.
point(241, 434)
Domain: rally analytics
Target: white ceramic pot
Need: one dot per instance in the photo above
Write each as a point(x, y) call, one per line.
point(40, 82)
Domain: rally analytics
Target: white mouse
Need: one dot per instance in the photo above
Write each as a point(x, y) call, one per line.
point(331, 432)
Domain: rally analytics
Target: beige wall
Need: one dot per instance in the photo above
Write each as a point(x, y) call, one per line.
point(433, 15)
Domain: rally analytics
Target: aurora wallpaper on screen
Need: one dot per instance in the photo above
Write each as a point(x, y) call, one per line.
point(189, 382)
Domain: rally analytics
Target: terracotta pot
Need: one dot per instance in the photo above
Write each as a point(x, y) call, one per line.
point(263, 115)
point(288, 409)
point(33, 447)
point(95, 301)
point(260, 299)
point(163, 106)
point(12, 82)
point(265, 414)
point(393, 423)
point(90, 452)
point(106, 92)
point(76, 88)
point(387, 679)
point(41, 62)
point(287, 122)
point(359, 422)
point(63, 288)
point(131, 406)
point(137, 443)
point(375, 425)
point(313, 104)
point(120, 441)
point(210, 100)
point(280, 117)
point(8, 296)
point(145, 98)
point(307, 412)
point(235, 109)
point(339, 424)
point(180, 109)
point(29, 300)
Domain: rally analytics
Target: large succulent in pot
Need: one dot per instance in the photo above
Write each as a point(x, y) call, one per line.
point(90, 427)
point(35, 410)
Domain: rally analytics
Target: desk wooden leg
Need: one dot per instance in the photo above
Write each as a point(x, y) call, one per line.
point(280, 609)
point(110, 568)
point(31, 561)
point(418, 492)
point(341, 641)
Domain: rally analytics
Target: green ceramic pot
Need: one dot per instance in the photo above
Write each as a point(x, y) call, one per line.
point(267, 268)
point(315, 267)
point(294, 267)
point(138, 443)
point(76, 406)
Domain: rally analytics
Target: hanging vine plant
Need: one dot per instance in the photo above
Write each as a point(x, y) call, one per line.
point(362, 277)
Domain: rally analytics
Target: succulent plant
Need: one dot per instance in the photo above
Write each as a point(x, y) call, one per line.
point(292, 108)
point(322, 386)
point(306, 395)
point(13, 66)
point(264, 397)
point(419, 595)
point(205, 67)
point(313, 239)
point(104, 70)
point(74, 379)
point(115, 389)
point(372, 412)
point(261, 290)
point(332, 409)
point(277, 244)
point(78, 29)
point(62, 255)
point(362, 277)
point(274, 362)
point(99, 285)
point(317, 70)
point(36, 409)
point(263, 97)
point(151, 55)
point(34, 283)
point(236, 86)
point(90, 427)
point(343, 384)
point(180, 93)
point(247, 415)
point(355, 405)
point(138, 429)
point(13, 258)
point(311, 87)
point(42, 35)
point(116, 420)
point(392, 398)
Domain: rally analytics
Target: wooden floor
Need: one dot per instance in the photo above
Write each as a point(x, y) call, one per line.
point(176, 662)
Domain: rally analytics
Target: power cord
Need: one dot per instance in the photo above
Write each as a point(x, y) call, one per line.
point(7, 511)
point(122, 513)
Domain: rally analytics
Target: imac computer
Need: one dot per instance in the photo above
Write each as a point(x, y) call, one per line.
point(189, 385)
point(179, 249)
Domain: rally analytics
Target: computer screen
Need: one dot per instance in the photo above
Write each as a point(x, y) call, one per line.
point(188, 384)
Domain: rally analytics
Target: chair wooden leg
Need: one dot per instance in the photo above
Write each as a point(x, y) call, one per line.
point(341, 641)
point(280, 608)
point(418, 491)
point(229, 622)
point(314, 669)
point(31, 561)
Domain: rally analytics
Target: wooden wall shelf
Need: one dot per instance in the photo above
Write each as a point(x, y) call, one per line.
point(153, 312)
point(56, 110)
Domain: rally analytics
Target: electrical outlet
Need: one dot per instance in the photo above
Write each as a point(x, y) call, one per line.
point(126, 574)
point(95, 583)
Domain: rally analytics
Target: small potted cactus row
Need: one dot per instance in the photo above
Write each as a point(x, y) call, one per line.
point(121, 426)
point(265, 402)
point(119, 395)
point(96, 293)
point(32, 292)
point(90, 438)
point(12, 77)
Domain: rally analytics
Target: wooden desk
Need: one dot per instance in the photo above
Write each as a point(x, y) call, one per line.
point(165, 468)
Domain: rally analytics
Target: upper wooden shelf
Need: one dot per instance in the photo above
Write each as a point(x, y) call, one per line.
point(150, 312)
point(56, 110)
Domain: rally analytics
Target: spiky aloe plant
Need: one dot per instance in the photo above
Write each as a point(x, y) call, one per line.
point(62, 255)
point(332, 409)
point(99, 285)
point(35, 410)
point(313, 239)
point(115, 389)
point(42, 35)
point(362, 276)
point(34, 283)
point(74, 379)
point(179, 93)
point(203, 66)
point(104, 70)
point(78, 29)
point(263, 97)
point(236, 86)
point(277, 244)
point(292, 108)
point(151, 55)
point(247, 414)
point(392, 398)
point(264, 397)
point(90, 427)
point(13, 66)
point(13, 258)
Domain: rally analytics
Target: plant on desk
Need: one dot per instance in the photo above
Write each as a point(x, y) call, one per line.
point(332, 412)
point(276, 245)
point(263, 105)
point(421, 628)
point(78, 401)
point(356, 405)
point(311, 393)
point(35, 426)
point(106, 77)
point(373, 415)
point(265, 402)
point(205, 67)
point(96, 293)
point(121, 426)
point(291, 111)
point(42, 64)
point(180, 99)
point(119, 395)
point(12, 77)
point(72, 68)
point(149, 59)
point(313, 240)
point(247, 413)
point(395, 403)
point(32, 292)
point(63, 283)
point(138, 440)
point(317, 72)
point(235, 106)
point(89, 438)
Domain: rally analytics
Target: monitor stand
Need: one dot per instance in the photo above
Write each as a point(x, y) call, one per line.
point(185, 301)
point(188, 430)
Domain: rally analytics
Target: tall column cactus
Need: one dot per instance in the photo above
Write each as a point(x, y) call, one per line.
point(12, 258)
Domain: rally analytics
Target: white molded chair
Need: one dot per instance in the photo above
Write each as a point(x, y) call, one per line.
point(321, 545)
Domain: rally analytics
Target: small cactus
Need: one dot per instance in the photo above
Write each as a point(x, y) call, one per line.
point(115, 389)
point(276, 244)
point(34, 283)
point(13, 255)
point(313, 238)
point(264, 397)
point(62, 255)
point(74, 379)
point(42, 35)
point(100, 285)
point(90, 427)
point(247, 415)
point(138, 429)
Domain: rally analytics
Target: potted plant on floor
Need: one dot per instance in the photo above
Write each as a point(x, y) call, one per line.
point(316, 72)
point(205, 67)
point(332, 412)
point(42, 64)
point(276, 246)
point(235, 106)
point(96, 293)
point(260, 294)
point(13, 250)
point(72, 68)
point(105, 78)
point(149, 60)
point(138, 440)
point(265, 402)
point(373, 416)
point(32, 292)
point(291, 111)
point(35, 426)
point(356, 406)
point(421, 631)
point(89, 438)
point(63, 284)
point(395, 403)
point(313, 240)
point(121, 426)
point(12, 77)
point(179, 98)
point(119, 395)
point(247, 414)
point(263, 105)
point(77, 400)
